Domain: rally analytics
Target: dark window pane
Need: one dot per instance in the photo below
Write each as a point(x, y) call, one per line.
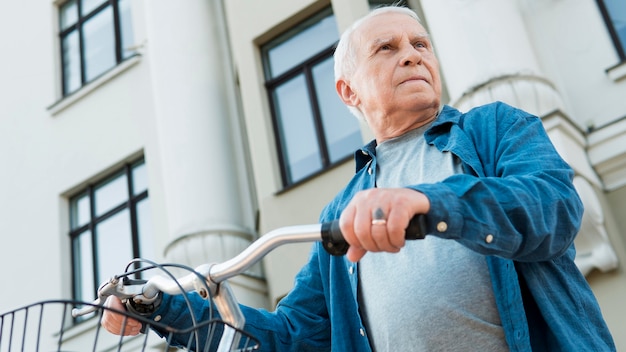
point(302, 46)
point(88, 39)
point(126, 28)
point(114, 245)
point(111, 194)
point(300, 146)
point(113, 228)
point(140, 178)
point(90, 5)
point(315, 129)
point(69, 14)
point(83, 267)
point(617, 12)
point(71, 62)
point(144, 226)
point(99, 44)
point(341, 128)
point(80, 213)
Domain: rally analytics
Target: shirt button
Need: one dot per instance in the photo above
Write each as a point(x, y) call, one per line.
point(351, 270)
point(442, 226)
point(157, 318)
point(362, 332)
point(489, 238)
point(369, 170)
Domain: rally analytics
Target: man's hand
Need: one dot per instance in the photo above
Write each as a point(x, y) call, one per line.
point(375, 219)
point(116, 323)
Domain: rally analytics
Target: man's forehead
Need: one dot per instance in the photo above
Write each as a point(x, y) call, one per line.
point(373, 30)
point(382, 38)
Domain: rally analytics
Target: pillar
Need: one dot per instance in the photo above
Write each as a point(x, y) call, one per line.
point(208, 195)
point(486, 55)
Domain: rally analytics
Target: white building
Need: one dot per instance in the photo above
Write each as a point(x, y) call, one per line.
point(182, 130)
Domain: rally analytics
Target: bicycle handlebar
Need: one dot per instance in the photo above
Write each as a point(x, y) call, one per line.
point(328, 233)
point(335, 244)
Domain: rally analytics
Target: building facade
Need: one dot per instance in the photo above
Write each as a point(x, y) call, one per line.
point(181, 131)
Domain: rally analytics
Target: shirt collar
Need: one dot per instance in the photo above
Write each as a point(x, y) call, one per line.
point(365, 154)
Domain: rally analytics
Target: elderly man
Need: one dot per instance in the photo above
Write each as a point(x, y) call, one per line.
point(496, 272)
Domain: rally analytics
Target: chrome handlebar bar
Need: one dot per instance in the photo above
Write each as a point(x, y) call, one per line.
point(210, 275)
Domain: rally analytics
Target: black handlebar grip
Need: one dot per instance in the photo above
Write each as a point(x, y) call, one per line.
point(335, 244)
point(332, 239)
point(417, 228)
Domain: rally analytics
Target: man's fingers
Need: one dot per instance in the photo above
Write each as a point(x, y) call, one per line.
point(355, 254)
point(117, 323)
point(130, 327)
point(381, 236)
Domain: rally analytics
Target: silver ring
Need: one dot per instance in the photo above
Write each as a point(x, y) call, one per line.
point(378, 217)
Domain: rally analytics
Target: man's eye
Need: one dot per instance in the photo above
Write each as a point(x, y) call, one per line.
point(420, 45)
point(385, 47)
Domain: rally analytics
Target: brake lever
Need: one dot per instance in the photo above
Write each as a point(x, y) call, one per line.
point(123, 288)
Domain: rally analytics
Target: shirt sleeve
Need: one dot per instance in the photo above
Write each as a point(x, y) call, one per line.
point(299, 323)
point(517, 200)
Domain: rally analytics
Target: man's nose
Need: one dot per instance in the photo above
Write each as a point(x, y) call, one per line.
point(410, 55)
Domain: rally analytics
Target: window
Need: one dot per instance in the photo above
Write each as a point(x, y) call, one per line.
point(614, 13)
point(109, 226)
point(314, 129)
point(95, 36)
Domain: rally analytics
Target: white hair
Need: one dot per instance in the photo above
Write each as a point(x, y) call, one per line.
point(345, 53)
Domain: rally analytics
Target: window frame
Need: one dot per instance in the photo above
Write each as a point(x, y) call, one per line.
point(304, 68)
point(131, 204)
point(608, 21)
point(79, 27)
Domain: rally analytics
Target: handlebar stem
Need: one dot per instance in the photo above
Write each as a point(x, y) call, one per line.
point(231, 313)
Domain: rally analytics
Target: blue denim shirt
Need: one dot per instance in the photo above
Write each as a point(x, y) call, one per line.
point(515, 204)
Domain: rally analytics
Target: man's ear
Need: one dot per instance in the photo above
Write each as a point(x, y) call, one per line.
point(347, 95)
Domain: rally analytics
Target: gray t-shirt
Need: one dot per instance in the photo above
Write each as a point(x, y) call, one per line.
point(435, 294)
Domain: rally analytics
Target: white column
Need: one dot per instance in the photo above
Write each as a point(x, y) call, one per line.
point(486, 55)
point(208, 196)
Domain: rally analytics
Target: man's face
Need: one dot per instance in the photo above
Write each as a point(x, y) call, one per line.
point(396, 83)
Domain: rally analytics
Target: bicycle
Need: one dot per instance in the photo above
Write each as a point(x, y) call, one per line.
point(221, 333)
